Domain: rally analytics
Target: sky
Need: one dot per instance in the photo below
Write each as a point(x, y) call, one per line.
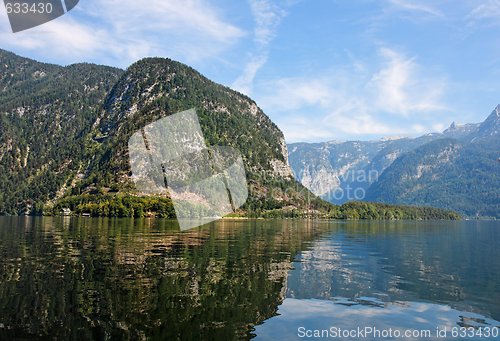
point(320, 69)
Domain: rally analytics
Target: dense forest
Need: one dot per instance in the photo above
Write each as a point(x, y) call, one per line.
point(139, 207)
point(45, 113)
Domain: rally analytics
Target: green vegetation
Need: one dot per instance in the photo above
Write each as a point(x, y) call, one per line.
point(376, 211)
point(115, 206)
point(365, 211)
point(132, 206)
point(45, 113)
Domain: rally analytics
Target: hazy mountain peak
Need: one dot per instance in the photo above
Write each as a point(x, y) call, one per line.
point(460, 130)
point(491, 126)
point(496, 112)
point(494, 116)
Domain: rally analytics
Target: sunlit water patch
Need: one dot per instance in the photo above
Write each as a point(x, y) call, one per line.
point(369, 318)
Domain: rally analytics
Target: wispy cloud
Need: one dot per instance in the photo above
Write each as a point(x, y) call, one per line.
point(298, 128)
point(267, 17)
point(244, 83)
point(358, 101)
point(360, 124)
point(401, 88)
point(415, 6)
point(487, 10)
point(120, 31)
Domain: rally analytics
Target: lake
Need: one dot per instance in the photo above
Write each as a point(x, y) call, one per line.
point(88, 278)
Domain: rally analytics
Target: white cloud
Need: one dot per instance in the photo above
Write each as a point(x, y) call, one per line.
point(486, 10)
point(359, 124)
point(400, 88)
point(267, 17)
point(162, 16)
point(121, 31)
point(390, 98)
point(439, 127)
point(244, 83)
point(301, 128)
point(415, 6)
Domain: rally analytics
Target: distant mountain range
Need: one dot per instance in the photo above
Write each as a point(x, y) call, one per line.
point(457, 169)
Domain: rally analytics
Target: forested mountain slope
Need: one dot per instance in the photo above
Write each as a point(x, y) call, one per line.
point(45, 113)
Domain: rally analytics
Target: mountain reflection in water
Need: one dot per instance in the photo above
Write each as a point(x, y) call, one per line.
point(406, 276)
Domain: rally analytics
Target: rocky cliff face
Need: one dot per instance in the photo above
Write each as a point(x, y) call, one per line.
point(333, 170)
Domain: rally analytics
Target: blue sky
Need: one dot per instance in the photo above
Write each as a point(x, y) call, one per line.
point(321, 69)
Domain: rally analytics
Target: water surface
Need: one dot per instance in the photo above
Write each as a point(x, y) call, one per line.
point(83, 278)
point(407, 276)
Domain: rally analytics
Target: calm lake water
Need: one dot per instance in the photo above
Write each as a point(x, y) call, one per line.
point(83, 278)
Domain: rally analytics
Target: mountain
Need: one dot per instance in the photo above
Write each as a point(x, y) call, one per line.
point(156, 87)
point(342, 171)
point(460, 174)
point(64, 134)
point(457, 169)
point(490, 128)
point(460, 131)
point(45, 113)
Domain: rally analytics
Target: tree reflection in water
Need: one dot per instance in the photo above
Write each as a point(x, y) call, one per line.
point(79, 278)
